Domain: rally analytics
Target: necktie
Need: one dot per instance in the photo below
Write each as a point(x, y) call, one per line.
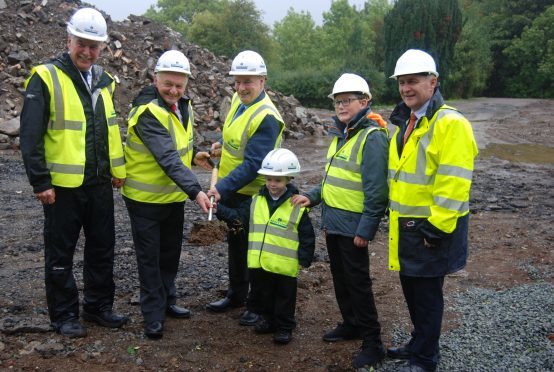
point(239, 112)
point(410, 127)
point(85, 76)
point(173, 108)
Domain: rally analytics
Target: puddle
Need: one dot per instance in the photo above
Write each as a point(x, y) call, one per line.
point(524, 153)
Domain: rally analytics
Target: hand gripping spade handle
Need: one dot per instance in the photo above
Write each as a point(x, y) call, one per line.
point(213, 181)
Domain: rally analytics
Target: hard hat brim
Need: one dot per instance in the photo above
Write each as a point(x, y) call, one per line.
point(83, 35)
point(272, 173)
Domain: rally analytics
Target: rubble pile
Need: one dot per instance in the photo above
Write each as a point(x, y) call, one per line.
point(33, 32)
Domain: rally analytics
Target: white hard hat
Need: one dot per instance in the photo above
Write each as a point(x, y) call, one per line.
point(415, 61)
point(174, 61)
point(350, 83)
point(280, 162)
point(88, 23)
point(248, 63)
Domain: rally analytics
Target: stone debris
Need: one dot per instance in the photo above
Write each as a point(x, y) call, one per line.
point(33, 32)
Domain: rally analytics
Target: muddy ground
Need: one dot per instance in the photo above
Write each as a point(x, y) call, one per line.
point(511, 244)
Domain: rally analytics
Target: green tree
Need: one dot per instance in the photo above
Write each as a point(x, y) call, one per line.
point(178, 14)
point(506, 21)
point(297, 53)
point(472, 62)
point(234, 27)
point(430, 25)
point(532, 55)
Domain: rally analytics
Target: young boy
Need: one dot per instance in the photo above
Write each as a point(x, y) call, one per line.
point(280, 239)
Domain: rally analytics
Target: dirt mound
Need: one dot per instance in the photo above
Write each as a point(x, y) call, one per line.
point(33, 32)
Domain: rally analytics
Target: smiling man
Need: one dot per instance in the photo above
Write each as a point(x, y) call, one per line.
point(71, 147)
point(430, 170)
point(252, 129)
point(159, 152)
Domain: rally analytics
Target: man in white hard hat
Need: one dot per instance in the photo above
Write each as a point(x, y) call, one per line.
point(159, 152)
point(72, 151)
point(252, 129)
point(354, 196)
point(430, 170)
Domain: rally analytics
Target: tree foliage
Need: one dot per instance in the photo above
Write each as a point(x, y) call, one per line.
point(472, 63)
point(430, 25)
point(494, 47)
point(532, 55)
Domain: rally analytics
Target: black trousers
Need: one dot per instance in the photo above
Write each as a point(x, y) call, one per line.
point(158, 237)
point(350, 270)
point(425, 302)
point(89, 208)
point(277, 296)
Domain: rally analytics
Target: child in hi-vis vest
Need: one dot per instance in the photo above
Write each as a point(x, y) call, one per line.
point(281, 238)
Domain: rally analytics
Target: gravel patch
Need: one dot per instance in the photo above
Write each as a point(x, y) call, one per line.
point(508, 330)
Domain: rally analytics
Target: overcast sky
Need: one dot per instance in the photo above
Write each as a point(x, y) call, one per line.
point(272, 10)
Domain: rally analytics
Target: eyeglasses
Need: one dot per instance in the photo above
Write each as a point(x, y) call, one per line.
point(345, 102)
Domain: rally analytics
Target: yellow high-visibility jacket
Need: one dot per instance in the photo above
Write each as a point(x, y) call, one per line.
point(146, 181)
point(236, 134)
point(64, 141)
point(273, 239)
point(429, 183)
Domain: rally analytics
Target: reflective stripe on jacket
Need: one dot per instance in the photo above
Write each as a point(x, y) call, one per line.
point(146, 180)
point(273, 240)
point(343, 173)
point(431, 181)
point(237, 132)
point(64, 141)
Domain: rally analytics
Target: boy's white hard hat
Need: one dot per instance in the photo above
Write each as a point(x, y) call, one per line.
point(173, 61)
point(248, 62)
point(88, 23)
point(280, 162)
point(415, 61)
point(350, 83)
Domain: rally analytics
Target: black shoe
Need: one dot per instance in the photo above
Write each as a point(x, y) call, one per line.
point(369, 357)
point(154, 330)
point(249, 318)
point(264, 327)
point(175, 311)
point(398, 353)
point(340, 333)
point(72, 328)
point(282, 336)
point(222, 305)
point(106, 318)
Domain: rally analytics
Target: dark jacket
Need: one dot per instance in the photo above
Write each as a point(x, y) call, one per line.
point(240, 217)
point(374, 182)
point(156, 138)
point(258, 146)
point(34, 121)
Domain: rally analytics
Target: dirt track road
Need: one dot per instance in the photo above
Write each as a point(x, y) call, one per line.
point(511, 244)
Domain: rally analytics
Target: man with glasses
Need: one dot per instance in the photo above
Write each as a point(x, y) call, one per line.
point(354, 195)
point(72, 151)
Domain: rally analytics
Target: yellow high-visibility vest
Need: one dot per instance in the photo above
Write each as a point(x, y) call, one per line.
point(64, 141)
point(432, 177)
point(146, 181)
point(342, 184)
point(236, 134)
point(273, 239)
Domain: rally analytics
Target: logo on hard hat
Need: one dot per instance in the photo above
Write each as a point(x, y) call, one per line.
point(91, 30)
